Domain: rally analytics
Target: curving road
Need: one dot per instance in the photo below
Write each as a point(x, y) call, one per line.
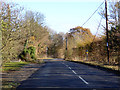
point(58, 73)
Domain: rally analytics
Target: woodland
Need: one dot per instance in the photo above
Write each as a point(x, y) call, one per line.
point(26, 37)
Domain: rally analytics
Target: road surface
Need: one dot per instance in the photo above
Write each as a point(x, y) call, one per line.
point(63, 74)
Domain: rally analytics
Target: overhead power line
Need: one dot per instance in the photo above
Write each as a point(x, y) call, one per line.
point(97, 29)
point(92, 14)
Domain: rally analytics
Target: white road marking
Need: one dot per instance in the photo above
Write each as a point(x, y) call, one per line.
point(83, 80)
point(69, 67)
point(76, 74)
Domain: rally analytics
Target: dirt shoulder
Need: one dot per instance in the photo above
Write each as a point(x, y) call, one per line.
point(12, 79)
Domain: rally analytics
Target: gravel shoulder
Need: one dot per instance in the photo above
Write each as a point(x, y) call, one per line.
point(12, 79)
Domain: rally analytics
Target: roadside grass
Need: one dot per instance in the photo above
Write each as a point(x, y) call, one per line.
point(13, 66)
point(112, 67)
point(0, 69)
point(38, 61)
point(45, 58)
point(9, 85)
point(41, 60)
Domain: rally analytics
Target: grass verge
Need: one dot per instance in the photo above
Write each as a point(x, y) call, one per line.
point(111, 67)
point(9, 85)
point(13, 66)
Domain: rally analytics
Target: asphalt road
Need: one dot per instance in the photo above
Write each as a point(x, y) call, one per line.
point(63, 74)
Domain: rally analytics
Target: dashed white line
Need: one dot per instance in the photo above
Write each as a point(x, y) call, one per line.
point(83, 80)
point(80, 77)
point(69, 67)
point(76, 74)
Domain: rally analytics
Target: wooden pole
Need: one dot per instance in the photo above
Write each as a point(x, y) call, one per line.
point(107, 31)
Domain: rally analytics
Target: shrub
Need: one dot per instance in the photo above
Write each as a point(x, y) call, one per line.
point(28, 54)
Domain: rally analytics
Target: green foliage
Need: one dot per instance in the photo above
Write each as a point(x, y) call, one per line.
point(10, 85)
point(31, 51)
point(3, 25)
point(11, 46)
point(39, 45)
point(28, 52)
point(17, 29)
point(26, 43)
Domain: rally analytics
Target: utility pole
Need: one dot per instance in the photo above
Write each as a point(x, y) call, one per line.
point(119, 13)
point(66, 48)
point(46, 51)
point(66, 43)
point(107, 31)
